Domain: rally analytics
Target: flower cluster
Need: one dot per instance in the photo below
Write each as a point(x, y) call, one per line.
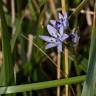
point(63, 21)
point(57, 33)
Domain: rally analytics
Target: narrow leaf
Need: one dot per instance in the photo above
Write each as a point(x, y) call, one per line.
point(7, 67)
point(90, 83)
point(41, 85)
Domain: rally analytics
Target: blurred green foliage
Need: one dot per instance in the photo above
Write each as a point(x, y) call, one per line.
point(31, 18)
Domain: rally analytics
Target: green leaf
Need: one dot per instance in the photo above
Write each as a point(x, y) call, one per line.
point(33, 13)
point(41, 85)
point(17, 33)
point(7, 73)
point(42, 2)
point(79, 7)
point(90, 83)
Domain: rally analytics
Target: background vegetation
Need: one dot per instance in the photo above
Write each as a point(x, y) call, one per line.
point(26, 68)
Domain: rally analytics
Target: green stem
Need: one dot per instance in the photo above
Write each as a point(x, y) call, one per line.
point(7, 67)
point(41, 85)
point(79, 8)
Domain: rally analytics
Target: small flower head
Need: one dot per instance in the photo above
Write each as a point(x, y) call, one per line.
point(74, 38)
point(63, 21)
point(58, 25)
point(55, 39)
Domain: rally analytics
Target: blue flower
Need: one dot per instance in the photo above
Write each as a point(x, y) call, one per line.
point(63, 21)
point(56, 38)
point(74, 38)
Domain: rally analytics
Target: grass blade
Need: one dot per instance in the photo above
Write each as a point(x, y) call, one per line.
point(79, 8)
point(7, 67)
point(42, 85)
point(17, 33)
point(89, 85)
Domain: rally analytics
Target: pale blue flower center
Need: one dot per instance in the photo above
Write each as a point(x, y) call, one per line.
point(58, 39)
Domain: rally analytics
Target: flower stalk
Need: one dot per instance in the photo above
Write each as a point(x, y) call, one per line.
point(65, 52)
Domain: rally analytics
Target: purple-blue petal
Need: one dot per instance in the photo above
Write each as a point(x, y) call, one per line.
point(58, 25)
point(61, 31)
point(74, 38)
point(65, 23)
point(50, 45)
point(64, 20)
point(52, 31)
point(53, 22)
point(48, 39)
point(60, 16)
point(64, 37)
